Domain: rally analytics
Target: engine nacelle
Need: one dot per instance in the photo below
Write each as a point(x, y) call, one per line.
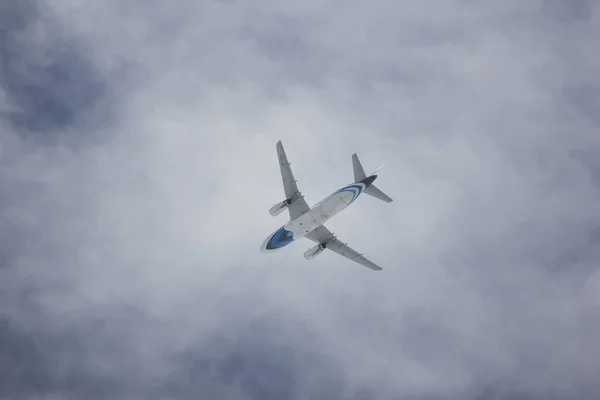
point(314, 251)
point(279, 207)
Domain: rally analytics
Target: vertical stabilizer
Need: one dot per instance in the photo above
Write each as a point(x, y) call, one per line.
point(359, 172)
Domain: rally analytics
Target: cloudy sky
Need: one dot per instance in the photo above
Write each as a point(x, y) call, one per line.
point(138, 164)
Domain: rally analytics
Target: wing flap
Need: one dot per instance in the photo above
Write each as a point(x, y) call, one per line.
point(298, 205)
point(323, 235)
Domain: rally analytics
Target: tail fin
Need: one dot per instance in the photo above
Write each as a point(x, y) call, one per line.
point(359, 172)
point(359, 175)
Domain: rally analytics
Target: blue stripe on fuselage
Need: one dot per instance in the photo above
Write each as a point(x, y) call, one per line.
point(356, 190)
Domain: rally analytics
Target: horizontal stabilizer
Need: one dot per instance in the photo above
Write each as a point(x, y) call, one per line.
point(374, 191)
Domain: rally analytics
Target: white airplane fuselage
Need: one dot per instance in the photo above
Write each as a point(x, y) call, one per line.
point(315, 217)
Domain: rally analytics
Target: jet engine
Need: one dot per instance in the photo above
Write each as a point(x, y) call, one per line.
point(279, 207)
point(314, 251)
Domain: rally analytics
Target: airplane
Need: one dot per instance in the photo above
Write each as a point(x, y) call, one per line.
point(308, 221)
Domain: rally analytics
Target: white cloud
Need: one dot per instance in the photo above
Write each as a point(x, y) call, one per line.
point(165, 209)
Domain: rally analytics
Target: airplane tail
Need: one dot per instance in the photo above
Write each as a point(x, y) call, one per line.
point(359, 175)
point(378, 194)
point(359, 172)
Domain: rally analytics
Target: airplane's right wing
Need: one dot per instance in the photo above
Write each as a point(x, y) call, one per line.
point(298, 205)
point(323, 235)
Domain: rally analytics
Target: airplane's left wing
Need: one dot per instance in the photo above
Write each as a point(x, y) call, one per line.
point(298, 205)
point(323, 235)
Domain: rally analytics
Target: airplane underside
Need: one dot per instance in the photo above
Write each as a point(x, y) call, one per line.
point(309, 222)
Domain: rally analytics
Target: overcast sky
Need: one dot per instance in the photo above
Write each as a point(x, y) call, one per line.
point(138, 164)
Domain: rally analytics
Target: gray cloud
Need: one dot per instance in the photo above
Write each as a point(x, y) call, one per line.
point(129, 242)
point(46, 79)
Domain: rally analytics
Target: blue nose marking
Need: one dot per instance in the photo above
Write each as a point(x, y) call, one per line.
point(279, 239)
